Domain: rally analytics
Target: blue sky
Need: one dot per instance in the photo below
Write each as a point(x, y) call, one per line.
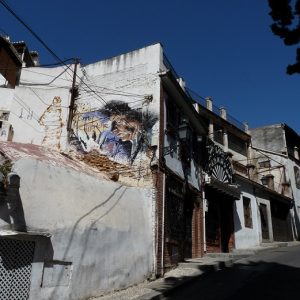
point(223, 49)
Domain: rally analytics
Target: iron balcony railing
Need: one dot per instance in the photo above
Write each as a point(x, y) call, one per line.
point(199, 99)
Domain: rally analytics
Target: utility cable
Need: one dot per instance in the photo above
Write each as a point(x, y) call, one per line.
point(101, 99)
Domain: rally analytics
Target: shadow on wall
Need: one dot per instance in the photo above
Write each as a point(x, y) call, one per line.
point(60, 276)
point(11, 207)
point(12, 213)
point(297, 223)
point(236, 216)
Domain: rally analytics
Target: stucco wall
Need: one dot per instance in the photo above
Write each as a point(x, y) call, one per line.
point(293, 170)
point(117, 111)
point(269, 138)
point(246, 237)
point(101, 231)
point(39, 107)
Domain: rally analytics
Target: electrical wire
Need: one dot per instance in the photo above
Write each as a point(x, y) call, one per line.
point(100, 98)
point(45, 103)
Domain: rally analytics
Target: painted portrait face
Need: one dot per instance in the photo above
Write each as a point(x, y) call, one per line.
point(124, 129)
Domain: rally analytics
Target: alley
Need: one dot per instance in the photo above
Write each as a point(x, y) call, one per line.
point(271, 274)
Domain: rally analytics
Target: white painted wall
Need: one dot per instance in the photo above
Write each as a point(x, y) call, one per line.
point(6, 95)
point(102, 228)
point(246, 237)
point(296, 195)
point(135, 73)
point(39, 106)
point(269, 217)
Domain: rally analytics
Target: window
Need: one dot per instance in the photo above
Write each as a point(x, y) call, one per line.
point(264, 164)
point(297, 177)
point(236, 144)
point(173, 115)
point(247, 212)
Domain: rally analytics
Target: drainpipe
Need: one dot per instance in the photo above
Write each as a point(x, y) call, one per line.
point(203, 212)
point(163, 225)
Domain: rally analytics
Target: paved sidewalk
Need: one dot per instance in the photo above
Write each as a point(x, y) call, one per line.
point(186, 272)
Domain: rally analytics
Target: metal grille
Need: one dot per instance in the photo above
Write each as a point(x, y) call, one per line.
point(16, 257)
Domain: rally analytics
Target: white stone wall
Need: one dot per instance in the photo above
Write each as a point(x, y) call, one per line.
point(101, 229)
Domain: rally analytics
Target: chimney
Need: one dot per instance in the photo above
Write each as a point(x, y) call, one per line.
point(196, 106)
point(246, 127)
point(296, 152)
point(223, 113)
point(209, 103)
point(35, 57)
point(181, 83)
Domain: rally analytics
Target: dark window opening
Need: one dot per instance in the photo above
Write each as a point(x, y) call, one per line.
point(236, 144)
point(264, 164)
point(247, 212)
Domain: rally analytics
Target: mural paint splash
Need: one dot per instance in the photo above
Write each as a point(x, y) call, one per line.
point(116, 130)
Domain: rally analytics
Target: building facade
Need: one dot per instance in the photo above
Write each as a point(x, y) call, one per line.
point(115, 172)
point(277, 146)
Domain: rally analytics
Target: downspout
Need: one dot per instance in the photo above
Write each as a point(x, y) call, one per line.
point(163, 225)
point(203, 213)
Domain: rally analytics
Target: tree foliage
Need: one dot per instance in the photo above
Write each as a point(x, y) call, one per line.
point(286, 17)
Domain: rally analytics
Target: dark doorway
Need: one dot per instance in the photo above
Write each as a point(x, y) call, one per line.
point(188, 238)
point(281, 221)
point(264, 222)
point(219, 222)
point(226, 224)
point(212, 226)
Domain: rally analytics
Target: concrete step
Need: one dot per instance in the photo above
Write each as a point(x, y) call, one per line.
point(275, 244)
point(231, 255)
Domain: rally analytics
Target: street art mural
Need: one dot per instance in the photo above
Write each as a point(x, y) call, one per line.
point(51, 121)
point(116, 130)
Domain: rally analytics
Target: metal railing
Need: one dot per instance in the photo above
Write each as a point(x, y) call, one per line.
point(199, 99)
point(169, 66)
point(216, 110)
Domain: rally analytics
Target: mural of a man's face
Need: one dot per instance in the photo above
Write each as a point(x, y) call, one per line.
point(124, 129)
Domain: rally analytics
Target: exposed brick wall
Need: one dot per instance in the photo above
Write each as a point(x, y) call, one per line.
point(177, 250)
point(158, 180)
point(173, 251)
point(125, 174)
point(197, 229)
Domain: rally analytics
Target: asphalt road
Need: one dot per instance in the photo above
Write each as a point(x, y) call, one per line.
point(273, 274)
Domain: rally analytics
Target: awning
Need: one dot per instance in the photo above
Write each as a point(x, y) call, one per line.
point(224, 188)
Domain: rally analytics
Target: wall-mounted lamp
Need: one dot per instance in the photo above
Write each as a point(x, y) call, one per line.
point(199, 138)
point(183, 130)
point(264, 180)
point(268, 180)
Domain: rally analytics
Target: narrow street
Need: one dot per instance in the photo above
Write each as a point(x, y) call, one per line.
point(272, 274)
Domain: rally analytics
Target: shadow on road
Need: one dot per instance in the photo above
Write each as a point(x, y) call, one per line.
point(247, 281)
